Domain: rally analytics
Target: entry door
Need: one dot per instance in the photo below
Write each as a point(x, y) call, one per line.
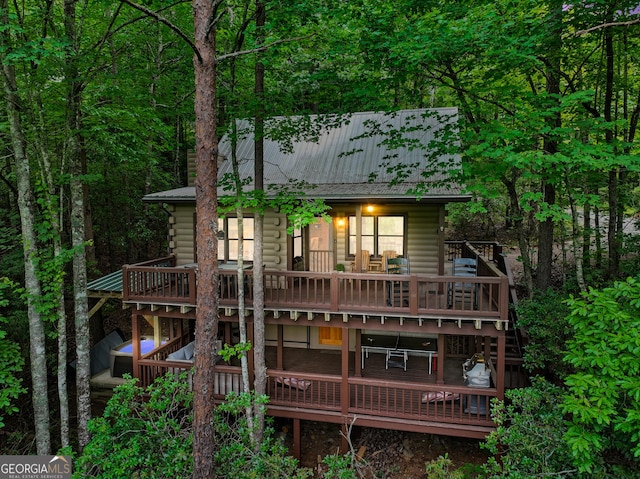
point(331, 336)
point(321, 246)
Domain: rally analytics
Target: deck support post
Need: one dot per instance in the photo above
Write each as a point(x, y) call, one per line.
point(487, 347)
point(280, 351)
point(441, 357)
point(501, 366)
point(135, 340)
point(358, 353)
point(344, 388)
point(296, 439)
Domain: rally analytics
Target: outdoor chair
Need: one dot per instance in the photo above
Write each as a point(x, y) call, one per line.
point(386, 255)
point(396, 358)
point(464, 268)
point(398, 291)
point(364, 262)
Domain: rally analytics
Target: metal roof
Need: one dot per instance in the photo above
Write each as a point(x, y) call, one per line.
point(338, 155)
point(111, 282)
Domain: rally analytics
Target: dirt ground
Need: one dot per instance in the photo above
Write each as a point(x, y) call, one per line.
point(386, 454)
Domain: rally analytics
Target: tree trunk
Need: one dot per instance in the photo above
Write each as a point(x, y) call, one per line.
point(516, 218)
point(553, 72)
point(260, 380)
point(612, 234)
point(26, 205)
point(546, 242)
point(78, 239)
point(586, 231)
point(242, 320)
point(206, 238)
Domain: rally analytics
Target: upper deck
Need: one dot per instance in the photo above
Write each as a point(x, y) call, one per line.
point(159, 284)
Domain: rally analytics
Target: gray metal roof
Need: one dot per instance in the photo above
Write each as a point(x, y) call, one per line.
point(339, 154)
point(111, 282)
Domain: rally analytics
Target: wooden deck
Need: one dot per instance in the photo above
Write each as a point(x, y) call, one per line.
point(415, 295)
point(311, 387)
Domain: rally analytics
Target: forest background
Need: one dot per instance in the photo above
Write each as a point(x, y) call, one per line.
point(99, 110)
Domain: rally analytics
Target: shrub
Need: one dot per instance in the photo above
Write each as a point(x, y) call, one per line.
point(236, 457)
point(143, 433)
point(604, 392)
point(544, 319)
point(529, 439)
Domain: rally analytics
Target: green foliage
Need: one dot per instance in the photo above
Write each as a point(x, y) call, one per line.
point(11, 363)
point(290, 199)
point(235, 456)
point(603, 400)
point(544, 317)
point(143, 433)
point(11, 253)
point(339, 467)
point(148, 433)
point(234, 351)
point(442, 468)
point(529, 438)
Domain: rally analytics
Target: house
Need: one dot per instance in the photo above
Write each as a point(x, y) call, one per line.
point(412, 333)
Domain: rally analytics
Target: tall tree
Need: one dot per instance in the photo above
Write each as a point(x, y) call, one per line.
point(26, 204)
point(260, 366)
point(204, 15)
point(78, 236)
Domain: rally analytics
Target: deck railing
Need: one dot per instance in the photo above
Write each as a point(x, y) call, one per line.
point(451, 404)
point(363, 396)
point(336, 292)
point(315, 391)
point(159, 279)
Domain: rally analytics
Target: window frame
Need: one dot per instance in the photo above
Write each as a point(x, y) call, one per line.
point(376, 253)
point(223, 225)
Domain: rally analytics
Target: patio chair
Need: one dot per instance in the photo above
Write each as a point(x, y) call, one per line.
point(364, 262)
point(396, 358)
point(464, 268)
point(386, 255)
point(398, 291)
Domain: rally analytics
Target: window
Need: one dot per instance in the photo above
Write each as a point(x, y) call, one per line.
point(297, 242)
point(228, 247)
point(379, 233)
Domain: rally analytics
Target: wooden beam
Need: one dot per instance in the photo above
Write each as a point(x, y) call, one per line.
point(280, 348)
point(98, 305)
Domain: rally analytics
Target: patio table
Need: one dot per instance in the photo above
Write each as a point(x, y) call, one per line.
point(413, 346)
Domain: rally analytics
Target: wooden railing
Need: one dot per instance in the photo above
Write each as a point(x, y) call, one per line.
point(321, 260)
point(324, 393)
point(159, 279)
point(489, 250)
point(451, 404)
point(353, 293)
point(315, 391)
